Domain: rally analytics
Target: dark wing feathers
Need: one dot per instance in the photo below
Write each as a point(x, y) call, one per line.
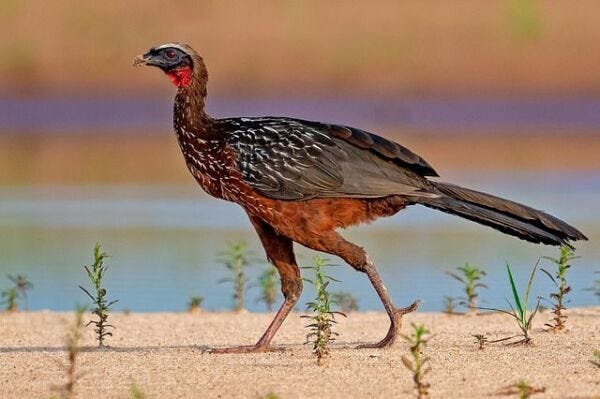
point(292, 159)
point(379, 145)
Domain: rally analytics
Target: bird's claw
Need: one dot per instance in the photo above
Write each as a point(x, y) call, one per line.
point(245, 349)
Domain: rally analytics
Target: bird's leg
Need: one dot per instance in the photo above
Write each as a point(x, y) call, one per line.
point(263, 344)
point(280, 252)
point(356, 257)
point(395, 314)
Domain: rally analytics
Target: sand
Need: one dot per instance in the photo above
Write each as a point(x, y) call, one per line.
point(161, 353)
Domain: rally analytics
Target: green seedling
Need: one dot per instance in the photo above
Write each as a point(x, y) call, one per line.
point(596, 360)
point(418, 340)
point(321, 334)
point(96, 273)
point(524, 19)
point(271, 395)
point(522, 389)
point(10, 299)
point(268, 287)
point(74, 336)
point(519, 311)
point(22, 285)
point(470, 276)
point(560, 281)
point(195, 303)
point(450, 305)
point(345, 301)
point(12, 295)
point(480, 340)
point(235, 259)
point(135, 392)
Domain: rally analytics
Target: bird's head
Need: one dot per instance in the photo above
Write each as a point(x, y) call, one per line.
point(178, 61)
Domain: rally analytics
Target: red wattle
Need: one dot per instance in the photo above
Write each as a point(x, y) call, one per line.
point(181, 77)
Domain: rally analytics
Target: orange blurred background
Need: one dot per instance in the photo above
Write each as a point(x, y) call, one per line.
point(296, 53)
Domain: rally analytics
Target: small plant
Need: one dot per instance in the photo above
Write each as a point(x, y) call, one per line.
point(345, 301)
point(74, 336)
point(195, 303)
point(10, 299)
point(480, 340)
point(271, 395)
point(268, 287)
point(522, 389)
point(323, 318)
point(560, 281)
point(596, 360)
point(22, 285)
point(524, 19)
point(417, 365)
point(135, 392)
point(235, 259)
point(11, 296)
point(450, 305)
point(520, 314)
point(96, 273)
point(470, 277)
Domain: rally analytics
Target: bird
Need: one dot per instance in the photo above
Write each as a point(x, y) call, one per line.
point(301, 181)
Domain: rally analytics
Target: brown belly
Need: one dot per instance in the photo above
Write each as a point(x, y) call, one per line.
point(301, 219)
point(318, 216)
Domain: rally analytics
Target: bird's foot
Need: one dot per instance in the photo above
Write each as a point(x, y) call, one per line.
point(384, 343)
point(246, 349)
point(396, 324)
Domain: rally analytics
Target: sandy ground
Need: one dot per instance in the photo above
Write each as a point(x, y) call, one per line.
point(161, 353)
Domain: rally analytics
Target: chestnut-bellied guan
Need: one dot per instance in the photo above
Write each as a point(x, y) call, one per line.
point(300, 181)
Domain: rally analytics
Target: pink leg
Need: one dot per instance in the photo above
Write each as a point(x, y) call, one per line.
point(280, 252)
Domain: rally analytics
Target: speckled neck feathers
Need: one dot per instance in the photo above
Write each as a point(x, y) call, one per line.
point(189, 116)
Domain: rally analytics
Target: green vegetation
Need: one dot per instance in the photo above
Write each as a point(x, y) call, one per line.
point(417, 363)
point(480, 340)
point(323, 318)
point(345, 301)
point(470, 276)
point(450, 305)
point(74, 336)
point(268, 287)
point(135, 392)
point(519, 311)
point(12, 295)
point(522, 389)
point(96, 273)
point(560, 281)
point(596, 360)
point(195, 303)
point(9, 299)
point(524, 19)
point(235, 259)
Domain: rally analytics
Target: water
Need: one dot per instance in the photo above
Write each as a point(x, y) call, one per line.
point(163, 242)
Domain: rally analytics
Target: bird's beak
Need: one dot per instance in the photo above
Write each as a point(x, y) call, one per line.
point(142, 59)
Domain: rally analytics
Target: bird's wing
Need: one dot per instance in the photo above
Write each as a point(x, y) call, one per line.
point(292, 159)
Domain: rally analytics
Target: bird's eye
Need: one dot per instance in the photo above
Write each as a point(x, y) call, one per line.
point(170, 54)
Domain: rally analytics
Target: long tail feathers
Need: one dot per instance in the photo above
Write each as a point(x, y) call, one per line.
point(506, 216)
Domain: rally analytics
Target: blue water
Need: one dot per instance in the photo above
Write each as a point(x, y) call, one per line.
point(164, 240)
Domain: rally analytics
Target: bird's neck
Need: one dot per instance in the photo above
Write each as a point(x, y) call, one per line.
point(189, 116)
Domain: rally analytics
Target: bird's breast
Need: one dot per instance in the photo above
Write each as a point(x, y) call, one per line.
point(212, 164)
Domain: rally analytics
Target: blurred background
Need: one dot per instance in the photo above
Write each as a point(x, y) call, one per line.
point(500, 96)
